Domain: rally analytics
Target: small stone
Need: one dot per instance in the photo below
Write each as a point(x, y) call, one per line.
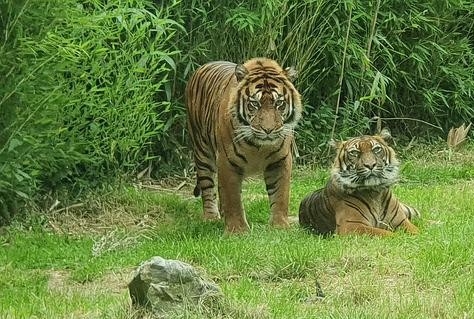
point(169, 285)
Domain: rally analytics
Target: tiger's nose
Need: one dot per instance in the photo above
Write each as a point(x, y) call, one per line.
point(370, 165)
point(267, 130)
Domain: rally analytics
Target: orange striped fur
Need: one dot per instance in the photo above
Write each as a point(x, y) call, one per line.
point(241, 120)
point(358, 198)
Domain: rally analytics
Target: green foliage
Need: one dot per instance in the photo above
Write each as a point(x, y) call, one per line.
point(406, 62)
point(95, 89)
point(86, 93)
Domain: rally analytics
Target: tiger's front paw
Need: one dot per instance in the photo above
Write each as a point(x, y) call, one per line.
point(280, 222)
point(236, 227)
point(211, 216)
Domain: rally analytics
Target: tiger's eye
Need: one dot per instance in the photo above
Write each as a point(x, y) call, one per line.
point(354, 153)
point(280, 103)
point(254, 103)
point(377, 150)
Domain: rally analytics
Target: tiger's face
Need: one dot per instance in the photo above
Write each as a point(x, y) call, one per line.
point(365, 162)
point(268, 106)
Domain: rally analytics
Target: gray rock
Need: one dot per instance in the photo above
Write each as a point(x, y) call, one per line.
point(170, 285)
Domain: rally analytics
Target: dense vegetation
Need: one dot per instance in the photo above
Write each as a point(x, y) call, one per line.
point(93, 89)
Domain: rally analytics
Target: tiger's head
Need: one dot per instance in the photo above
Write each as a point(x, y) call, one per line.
point(266, 106)
point(365, 162)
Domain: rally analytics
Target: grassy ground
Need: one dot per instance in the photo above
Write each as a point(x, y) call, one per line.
point(76, 262)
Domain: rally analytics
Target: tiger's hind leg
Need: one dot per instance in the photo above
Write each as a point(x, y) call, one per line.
point(205, 186)
point(347, 228)
point(406, 214)
point(409, 227)
point(410, 212)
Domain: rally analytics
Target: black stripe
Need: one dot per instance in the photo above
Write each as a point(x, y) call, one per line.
point(251, 143)
point(205, 178)
point(399, 224)
point(276, 151)
point(203, 149)
point(327, 204)
point(385, 210)
point(275, 165)
point(366, 205)
point(239, 155)
point(291, 117)
point(352, 205)
point(271, 188)
point(394, 212)
point(239, 170)
point(207, 187)
point(273, 76)
point(266, 85)
point(241, 117)
point(200, 164)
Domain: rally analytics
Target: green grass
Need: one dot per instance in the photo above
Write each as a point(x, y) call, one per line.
point(76, 264)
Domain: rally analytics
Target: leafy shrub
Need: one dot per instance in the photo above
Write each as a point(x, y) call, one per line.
point(94, 89)
point(87, 91)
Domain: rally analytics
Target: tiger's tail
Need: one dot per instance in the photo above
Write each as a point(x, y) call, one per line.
point(197, 190)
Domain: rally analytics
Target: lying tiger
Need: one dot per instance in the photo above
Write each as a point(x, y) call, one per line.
point(358, 198)
point(241, 119)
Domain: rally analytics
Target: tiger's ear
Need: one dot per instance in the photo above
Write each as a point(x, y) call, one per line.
point(385, 135)
point(291, 73)
point(240, 72)
point(335, 144)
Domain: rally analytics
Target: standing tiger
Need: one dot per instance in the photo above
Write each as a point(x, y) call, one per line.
point(358, 197)
point(241, 119)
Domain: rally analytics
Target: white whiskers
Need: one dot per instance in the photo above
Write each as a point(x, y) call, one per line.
point(243, 133)
point(354, 179)
point(259, 136)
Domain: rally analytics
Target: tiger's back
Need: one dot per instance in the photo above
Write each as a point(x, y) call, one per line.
point(316, 214)
point(241, 120)
point(205, 94)
point(358, 197)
